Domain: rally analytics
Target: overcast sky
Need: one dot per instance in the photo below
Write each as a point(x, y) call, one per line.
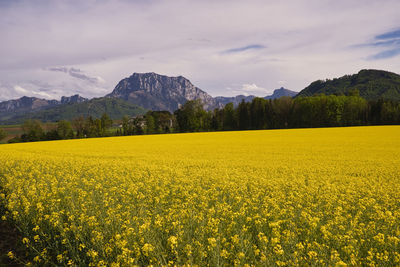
point(50, 48)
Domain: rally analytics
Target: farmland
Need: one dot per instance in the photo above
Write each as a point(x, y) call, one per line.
point(275, 197)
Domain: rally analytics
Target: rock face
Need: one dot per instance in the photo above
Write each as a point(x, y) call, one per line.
point(26, 104)
point(73, 99)
point(158, 92)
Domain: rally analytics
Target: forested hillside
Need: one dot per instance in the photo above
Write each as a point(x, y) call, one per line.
point(371, 85)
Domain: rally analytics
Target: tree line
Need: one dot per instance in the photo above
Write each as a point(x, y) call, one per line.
point(285, 112)
point(80, 127)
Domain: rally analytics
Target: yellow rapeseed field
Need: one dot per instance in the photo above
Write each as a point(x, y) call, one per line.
point(277, 197)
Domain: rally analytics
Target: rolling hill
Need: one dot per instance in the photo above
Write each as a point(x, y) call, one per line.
point(371, 84)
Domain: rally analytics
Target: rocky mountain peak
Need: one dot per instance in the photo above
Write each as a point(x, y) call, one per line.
point(159, 92)
point(73, 99)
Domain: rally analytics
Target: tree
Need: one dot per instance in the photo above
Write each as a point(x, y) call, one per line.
point(105, 123)
point(126, 126)
point(150, 123)
point(79, 125)
point(243, 112)
point(229, 117)
point(33, 131)
point(91, 127)
point(282, 108)
point(3, 134)
point(191, 116)
point(64, 130)
point(257, 113)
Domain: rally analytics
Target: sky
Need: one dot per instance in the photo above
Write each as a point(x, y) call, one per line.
point(51, 48)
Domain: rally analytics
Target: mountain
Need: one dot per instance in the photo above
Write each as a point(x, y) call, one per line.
point(25, 104)
point(159, 92)
point(371, 84)
point(235, 99)
point(281, 92)
point(222, 100)
point(33, 103)
point(73, 99)
point(115, 108)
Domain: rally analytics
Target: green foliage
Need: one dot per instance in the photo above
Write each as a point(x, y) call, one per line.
point(369, 84)
point(105, 124)
point(192, 117)
point(150, 124)
point(115, 108)
point(64, 130)
point(33, 131)
point(3, 134)
point(79, 126)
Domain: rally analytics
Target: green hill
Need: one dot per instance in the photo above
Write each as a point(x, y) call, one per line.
point(115, 108)
point(371, 84)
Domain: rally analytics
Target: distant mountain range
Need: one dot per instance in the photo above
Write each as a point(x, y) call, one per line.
point(32, 103)
point(114, 107)
point(222, 100)
point(25, 105)
point(371, 84)
point(150, 91)
point(132, 96)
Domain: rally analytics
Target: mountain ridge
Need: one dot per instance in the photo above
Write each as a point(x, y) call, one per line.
point(239, 98)
point(26, 103)
point(95, 107)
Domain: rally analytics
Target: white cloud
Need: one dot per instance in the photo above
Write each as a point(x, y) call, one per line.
point(21, 90)
point(97, 43)
point(42, 94)
point(252, 88)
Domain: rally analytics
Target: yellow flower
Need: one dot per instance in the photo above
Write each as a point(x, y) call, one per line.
point(212, 241)
point(10, 254)
point(60, 258)
point(147, 248)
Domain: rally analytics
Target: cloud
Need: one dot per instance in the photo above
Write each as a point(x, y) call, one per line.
point(249, 89)
point(66, 47)
point(42, 94)
point(21, 90)
point(60, 69)
point(244, 48)
point(252, 88)
point(77, 73)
